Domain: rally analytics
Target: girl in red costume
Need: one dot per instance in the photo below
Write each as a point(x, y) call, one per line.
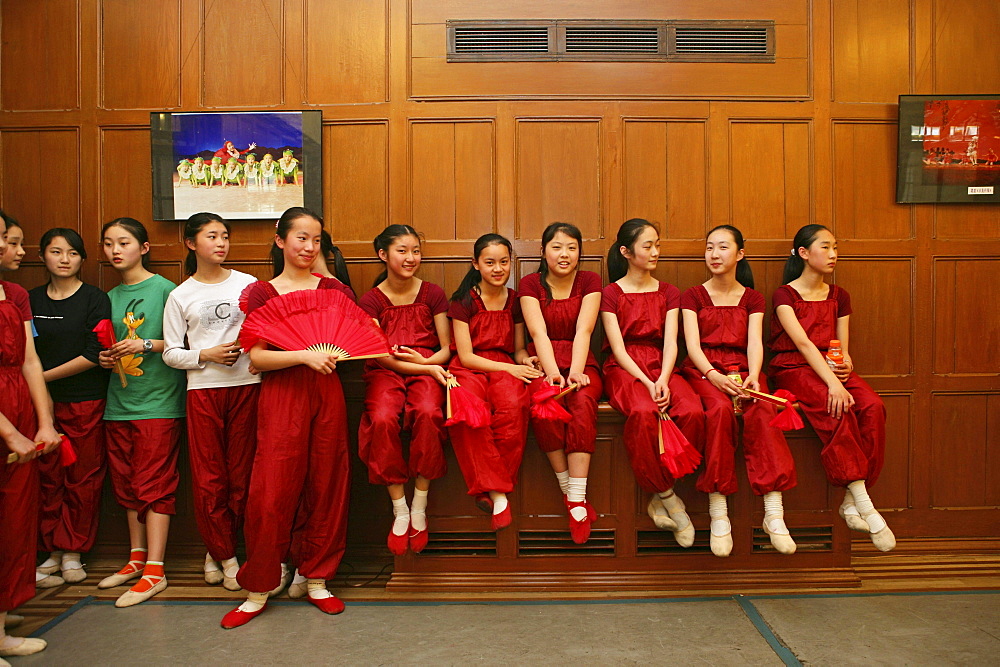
point(639, 314)
point(24, 409)
point(492, 364)
point(301, 473)
point(410, 385)
point(560, 304)
point(723, 320)
point(847, 415)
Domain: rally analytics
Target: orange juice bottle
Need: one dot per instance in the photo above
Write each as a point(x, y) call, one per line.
point(733, 373)
point(834, 355)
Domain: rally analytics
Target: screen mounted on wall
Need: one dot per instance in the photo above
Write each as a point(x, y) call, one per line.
point(949, 149)
point(246, 165)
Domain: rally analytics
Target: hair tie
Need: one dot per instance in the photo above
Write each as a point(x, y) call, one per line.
point(276, 224)
point(792, 252)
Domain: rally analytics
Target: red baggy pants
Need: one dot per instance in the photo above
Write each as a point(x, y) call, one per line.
point(142, 459)
point(579, 434)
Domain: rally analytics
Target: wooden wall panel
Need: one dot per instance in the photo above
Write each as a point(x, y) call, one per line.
point(666, 176)
point(158, 58)
point(770, 176)
point(40, 203)
point(40, 69)
point(356, 179)
point(893, 489)
point(125, 163)
point(451, 172)
point(438, 11)
point(967, 221)
point(229, 77)
point(871, 50)
point(864, 189)
point(963, 444)
point(966, 329)
point(963, 47)
point(346, 46)
point(882, 298)
point(558, 176)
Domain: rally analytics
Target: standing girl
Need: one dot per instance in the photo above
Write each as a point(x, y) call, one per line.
point(639, 314)
point(847, 415)
point(24, 409)
point(492, 364)
point(301, 474)
point(66, 310)
point(560, 304)
point(201, 325)
point(143, 420)
point(410, 384)
point(723, 320)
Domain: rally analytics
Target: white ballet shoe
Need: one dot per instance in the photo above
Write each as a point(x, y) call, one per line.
point(130, 598)
point(722, 543)
point(230, 583)
point(684, 534)
point(781, 539)
point(286, 578)
point(658, 513)
point(883, 539)
point(849, 513)
point(72, 568)
point(49, 581)
point(29, 646)
point(213, 573)
point(51, 564)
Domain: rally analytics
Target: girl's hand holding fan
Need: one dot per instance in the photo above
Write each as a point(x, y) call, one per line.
point(105, 331)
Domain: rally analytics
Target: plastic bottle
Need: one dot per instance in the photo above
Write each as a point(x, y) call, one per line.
point(834, 355)
point(733, 373)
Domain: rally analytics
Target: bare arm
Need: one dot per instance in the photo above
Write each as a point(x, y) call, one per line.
point(669, 343)
point(843, 333)
point(274, 360)
point(72, 367)
point(40, 399)
point(472, 361)
point(585, 322)
point(613, 332)
point(838, 399)
point(755, 350)
point(531, 309)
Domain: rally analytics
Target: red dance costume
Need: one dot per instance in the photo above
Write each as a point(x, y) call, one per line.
point(561, 316)
point(18, 481)
point(724, 331)
point(641, 317)
point(71, 496)
point(854, 445)
point(144, 477)
point(491, 456)
point(389, 395)
point(301, 482)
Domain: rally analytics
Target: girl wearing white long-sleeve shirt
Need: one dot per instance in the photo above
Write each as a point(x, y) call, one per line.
point(201, 324)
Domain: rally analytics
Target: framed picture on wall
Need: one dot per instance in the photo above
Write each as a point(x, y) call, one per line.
point(949, 149)
point(243, 165)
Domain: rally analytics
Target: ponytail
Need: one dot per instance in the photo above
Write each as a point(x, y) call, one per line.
point(543, 268)
point(386, 239)
point(794, 265)
point(628, 234)
point(472, 277)
point(340, 266)
point(744, 276)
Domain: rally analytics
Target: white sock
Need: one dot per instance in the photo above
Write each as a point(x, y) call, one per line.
point(71, 560)
point(418, 510)
point(719, 512)
point(848, 504)
point(499, 501)
point(210, 564)
point(774, 513)
point(577, 493)
point(55, 558)
point(39, 576)
point(563, 478)
point(254, 602)
point(298, 578)
point(317, 589)
point(230, 567)
point(402, 513)
point(865, 506)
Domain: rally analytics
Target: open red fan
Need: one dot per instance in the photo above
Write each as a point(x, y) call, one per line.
point(67, 455)
point(105, 331)
point(464, 407)
point(545, 403)
point(676, 453)
point(321, 320)
point(787, 418)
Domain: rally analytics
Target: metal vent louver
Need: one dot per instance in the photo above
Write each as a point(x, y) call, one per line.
point(513, 39)
point(749, 41)
point(593, 39)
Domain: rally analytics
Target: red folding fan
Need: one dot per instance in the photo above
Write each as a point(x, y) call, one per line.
point(787, 418)
point(105, 331)
point(676, 453)
point(464, 407)
point(545, 403)
point(321, 320)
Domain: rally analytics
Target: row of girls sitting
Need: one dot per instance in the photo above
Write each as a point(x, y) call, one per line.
point(285, 480)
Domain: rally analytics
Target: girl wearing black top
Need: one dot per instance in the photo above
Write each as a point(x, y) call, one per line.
point(65, 312)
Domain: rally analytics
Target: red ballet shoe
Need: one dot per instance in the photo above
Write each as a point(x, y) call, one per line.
point(238, 617)
point(501, 520)
point(418, 539)
point(579, 530)
point(330, 605)
point(398, 543)
point(484, 503)
point(591, 512)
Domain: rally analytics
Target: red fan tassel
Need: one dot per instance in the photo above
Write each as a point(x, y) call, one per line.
point(787, 418)
point(464, 407)
point(545, 406)
point(676, 453)
point(106, 337)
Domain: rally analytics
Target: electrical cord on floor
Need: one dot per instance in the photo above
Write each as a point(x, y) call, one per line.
point(348, 575)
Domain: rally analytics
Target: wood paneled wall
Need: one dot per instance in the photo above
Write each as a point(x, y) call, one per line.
point(460, 149)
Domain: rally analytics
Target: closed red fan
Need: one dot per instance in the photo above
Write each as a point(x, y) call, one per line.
point(787, 418)
point(105, 331)
point(67, 455)
point(464, 407)
point(321, 320)
point(676, 453)
point(544, 405)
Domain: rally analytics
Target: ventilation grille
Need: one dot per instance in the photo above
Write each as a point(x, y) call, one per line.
point(662, 543)
point(814, 539)
point(461, 544)
point(608, 40)
point(559, 543)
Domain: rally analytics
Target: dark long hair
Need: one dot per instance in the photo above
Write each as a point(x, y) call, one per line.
point(386, 239)
point(547, 236)
point(472, 277)
point(71, 236)
point(9, 220)
point(744, 276)
point(628, 234)
point(133, 227)
point(285, 225)
point(794, 265)
point(332, 253)
point(194, 225)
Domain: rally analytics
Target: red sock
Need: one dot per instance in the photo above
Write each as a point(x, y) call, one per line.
point(151, 576)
